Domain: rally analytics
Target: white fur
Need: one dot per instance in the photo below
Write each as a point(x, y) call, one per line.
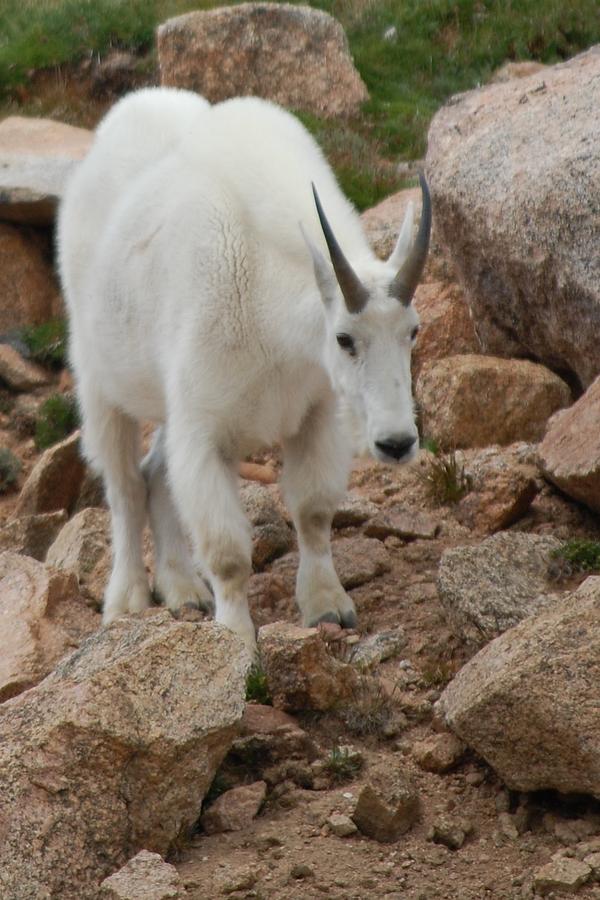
point(193, 302)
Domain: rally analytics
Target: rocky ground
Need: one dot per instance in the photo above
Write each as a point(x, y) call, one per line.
point(446, 749)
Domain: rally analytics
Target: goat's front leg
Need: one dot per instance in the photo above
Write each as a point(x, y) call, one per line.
point(316, 465)
point(205, 489)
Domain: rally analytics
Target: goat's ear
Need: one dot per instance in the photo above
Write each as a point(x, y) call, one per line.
point(400, 251)
point(324, 274)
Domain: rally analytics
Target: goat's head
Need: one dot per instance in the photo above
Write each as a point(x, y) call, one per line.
point(371, 329)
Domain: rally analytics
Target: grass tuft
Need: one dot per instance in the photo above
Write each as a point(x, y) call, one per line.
point(57, 419)
point(47, 343)
point(343, 764)
point(257, 688)
point(576, 556)
point(10, 468)
point(445, 478)
point(370, 711)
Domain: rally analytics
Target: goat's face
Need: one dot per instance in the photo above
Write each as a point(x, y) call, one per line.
point(368, 358)
point(371, 329)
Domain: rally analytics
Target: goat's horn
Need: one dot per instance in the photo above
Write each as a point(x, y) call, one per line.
point(355, 294)
point(404, 284)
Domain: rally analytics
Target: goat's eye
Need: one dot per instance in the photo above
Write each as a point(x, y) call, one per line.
point(346, 343)
point(414, 333)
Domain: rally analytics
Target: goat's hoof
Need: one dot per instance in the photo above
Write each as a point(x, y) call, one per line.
point(349, 619)
point(332, 617)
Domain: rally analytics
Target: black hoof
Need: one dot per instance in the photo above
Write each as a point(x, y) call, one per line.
point(349, 619)
point(326, 617)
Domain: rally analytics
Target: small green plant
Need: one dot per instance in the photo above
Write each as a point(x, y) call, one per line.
point(343, 764)
point(445, 478)
point(577, 555)
point(10, 468)
point(431, 445)
point(257, 688)
point(57, 418)
point(47, 343)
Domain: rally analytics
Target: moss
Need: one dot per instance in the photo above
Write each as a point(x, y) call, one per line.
point(47, 343)
point(57, 419)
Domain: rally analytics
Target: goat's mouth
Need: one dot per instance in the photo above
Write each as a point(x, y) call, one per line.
point(395, 450)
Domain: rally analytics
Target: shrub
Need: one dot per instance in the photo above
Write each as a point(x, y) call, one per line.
point(47, 343)
point(10, 468)
point(57, 418)
point(577, 555)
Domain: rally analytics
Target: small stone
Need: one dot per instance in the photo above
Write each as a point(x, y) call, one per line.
point(439, 752)
point(593, 861)
point(354, 510)
point(19, 373)
point(376, 648)
point(54, 481)
point(401, 523)
point(235, 809)
point(301, 672)
point(271, 535)
point(386, 812)
point(240, 879)
point(83, 547)
point(561, 874)
point(507, 826)
point(452, 833)
point(145, 877)
point(341, 826)
point(301, 871)
point(32, 535)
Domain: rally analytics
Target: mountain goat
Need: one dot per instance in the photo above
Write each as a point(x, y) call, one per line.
point(211, 292)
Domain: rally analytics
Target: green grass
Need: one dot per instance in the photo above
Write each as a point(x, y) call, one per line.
point(57, 418)
point(343, 764)
point(445, 478)
point(10, 467)
point(440, 47)
point(257, 688)
point(47, 343)
point(579, 555)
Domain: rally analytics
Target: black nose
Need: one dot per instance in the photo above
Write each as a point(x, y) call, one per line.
point(396, 448)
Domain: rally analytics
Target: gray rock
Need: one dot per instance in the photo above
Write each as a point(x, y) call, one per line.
point(36, 159)
point(294, 55)
point(403, 523)
point(489, 587)
point(116, 749)
point(32, 535)
point(341, 826)
point(514, 177)
point(83, 547)
point(145, 877)
point(450, 832)
point(355, 510)
point(561, 874)
point(528, 702)
point(376, 648)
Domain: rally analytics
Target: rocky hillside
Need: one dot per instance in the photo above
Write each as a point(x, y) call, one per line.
point(449, 748)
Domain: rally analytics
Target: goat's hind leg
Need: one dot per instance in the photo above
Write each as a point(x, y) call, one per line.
point(175, 579)
point(111, 446)
point(317, 461)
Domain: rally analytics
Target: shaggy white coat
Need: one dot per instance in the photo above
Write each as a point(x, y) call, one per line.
point(193, 302)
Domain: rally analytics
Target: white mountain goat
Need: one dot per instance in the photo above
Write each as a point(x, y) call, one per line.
point(208, 292)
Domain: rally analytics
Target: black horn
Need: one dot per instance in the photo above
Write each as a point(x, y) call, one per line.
point(355, 294)
point(404, 284)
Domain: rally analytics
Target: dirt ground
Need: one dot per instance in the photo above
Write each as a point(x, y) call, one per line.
point(289, 852)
